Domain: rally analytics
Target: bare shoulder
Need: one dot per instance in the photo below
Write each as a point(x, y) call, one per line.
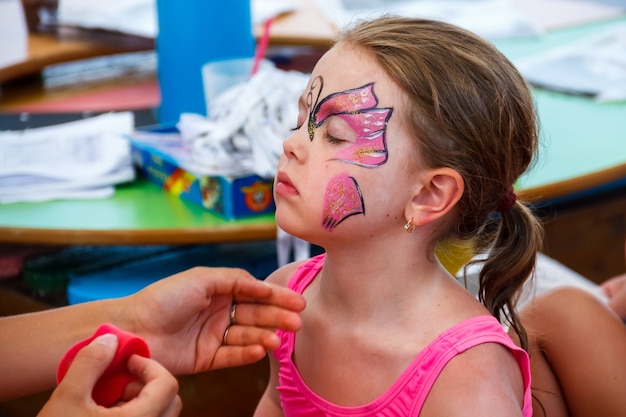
point(281, 275)
point(486, 381)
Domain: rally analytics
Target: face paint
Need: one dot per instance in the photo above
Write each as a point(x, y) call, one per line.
point(357, 108)
point(370, 147)
point(314, 94)
point(343, 199)
point(349, 101)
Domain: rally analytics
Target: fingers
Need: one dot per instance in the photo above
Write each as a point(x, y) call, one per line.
point(284, 298)
point(159, 394)
point(247, 339)
point(239, 335)
point(266, 316)
point(73, 396)
point(615, 289)
point(228, 356)
point(244, 287)
point(89, 364)
point(614, 285)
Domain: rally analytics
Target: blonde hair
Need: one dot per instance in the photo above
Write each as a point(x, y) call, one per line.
point(470, 110)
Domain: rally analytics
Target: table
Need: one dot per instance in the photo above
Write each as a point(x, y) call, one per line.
point(139, 213)
point(46, 49)
point(583, 142)
point(583, 148)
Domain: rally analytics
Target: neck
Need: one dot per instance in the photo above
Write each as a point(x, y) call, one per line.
point(377, 280)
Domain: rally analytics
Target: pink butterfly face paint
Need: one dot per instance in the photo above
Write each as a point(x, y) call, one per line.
point(343, 199)
point(358, 109)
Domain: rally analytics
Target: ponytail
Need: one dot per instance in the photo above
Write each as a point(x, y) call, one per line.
point(510, 262)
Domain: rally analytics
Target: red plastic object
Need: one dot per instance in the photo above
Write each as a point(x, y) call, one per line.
point(110, 387)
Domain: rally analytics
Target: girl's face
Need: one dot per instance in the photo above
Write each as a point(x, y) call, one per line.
point(348, 163)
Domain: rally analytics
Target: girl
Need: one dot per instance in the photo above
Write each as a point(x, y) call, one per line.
point(410, 132)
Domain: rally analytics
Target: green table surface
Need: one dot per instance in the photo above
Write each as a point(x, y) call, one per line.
point(583, 142)
point(583, 145)
point(139, 212)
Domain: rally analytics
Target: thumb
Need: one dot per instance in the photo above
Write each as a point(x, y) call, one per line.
point(90, 362)
point(614, 286)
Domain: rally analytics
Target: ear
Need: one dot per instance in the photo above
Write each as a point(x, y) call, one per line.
point(440, 190)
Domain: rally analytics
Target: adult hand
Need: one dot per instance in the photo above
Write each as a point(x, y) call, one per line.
point(153, 395)
point(615, 289)
point(184, 318)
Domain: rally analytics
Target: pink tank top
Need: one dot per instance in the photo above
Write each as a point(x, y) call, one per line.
point(407, 395)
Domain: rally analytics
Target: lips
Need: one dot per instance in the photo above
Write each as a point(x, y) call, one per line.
point(283, 185)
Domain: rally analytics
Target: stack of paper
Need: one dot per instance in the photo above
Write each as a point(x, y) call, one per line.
point(594, 66)
point(13, 33)
point(82, 159)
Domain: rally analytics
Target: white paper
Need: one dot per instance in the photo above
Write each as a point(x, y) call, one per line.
point(491, 19)
point(554, 14)
point(13, 33)
point(594, 66)
point(135, 17)
point(261, 10)
point(139, 17)
point(85, 157)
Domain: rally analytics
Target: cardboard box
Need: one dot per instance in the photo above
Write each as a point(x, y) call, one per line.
point(231, 197)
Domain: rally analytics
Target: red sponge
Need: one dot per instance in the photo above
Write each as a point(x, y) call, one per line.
point(110, 387)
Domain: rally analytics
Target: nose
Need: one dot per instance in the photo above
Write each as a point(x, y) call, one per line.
point(292, 146)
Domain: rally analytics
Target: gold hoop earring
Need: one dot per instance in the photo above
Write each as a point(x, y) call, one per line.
point(409, 226)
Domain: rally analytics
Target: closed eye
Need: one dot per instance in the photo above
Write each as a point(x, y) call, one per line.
point(332, 139)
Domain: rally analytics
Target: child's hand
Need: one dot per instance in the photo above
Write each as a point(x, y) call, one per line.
point(615, 289)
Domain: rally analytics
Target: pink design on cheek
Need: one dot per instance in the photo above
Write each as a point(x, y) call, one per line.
point(370, 147)
point(343, 199)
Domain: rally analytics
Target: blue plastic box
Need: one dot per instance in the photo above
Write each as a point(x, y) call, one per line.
point(231, 197)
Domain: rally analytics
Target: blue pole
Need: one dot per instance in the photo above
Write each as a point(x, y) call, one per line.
point(192, 33)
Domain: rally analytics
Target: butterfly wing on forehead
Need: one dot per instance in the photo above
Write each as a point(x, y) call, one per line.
point(357, 107)
point(348, 101)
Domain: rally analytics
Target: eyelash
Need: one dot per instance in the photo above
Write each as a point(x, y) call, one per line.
point(329, 138)
point(332, 139)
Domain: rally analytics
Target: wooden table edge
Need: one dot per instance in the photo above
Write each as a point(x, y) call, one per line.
point(195, 235)
point(575, 185)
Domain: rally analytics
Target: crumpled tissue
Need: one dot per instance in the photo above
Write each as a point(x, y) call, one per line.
point(247, 124)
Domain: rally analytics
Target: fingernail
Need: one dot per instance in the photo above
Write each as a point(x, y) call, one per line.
point(108, 339)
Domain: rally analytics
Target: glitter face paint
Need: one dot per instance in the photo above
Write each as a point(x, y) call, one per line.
point(342, 199)
point(357, 108)
point(315, 91)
